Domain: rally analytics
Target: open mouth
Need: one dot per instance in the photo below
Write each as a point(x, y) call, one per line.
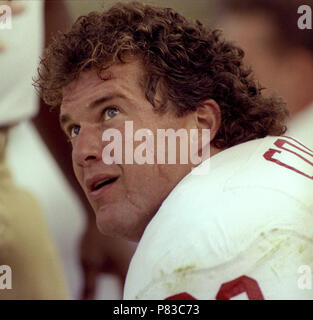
point(100, 184)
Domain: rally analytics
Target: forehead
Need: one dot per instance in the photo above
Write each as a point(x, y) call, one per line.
point(120, 78)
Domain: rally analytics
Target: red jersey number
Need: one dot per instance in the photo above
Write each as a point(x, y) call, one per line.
point(294, 148)
point(240, 285)
point(229, 290)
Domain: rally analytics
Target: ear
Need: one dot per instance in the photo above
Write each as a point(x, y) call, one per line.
point(208, 116)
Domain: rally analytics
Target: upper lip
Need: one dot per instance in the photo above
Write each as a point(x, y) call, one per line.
point(92, 181)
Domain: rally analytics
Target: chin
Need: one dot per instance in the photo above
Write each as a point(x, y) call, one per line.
point(119, 222)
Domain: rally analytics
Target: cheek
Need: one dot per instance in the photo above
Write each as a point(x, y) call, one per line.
point(147, 186)
point(78, 171)
point(140, 184)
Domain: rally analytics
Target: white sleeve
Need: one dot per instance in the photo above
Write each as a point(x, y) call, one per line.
point(261, 252)
point(276, 266)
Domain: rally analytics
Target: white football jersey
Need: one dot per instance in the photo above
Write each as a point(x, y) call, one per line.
point(301, 127)
point(243, 231)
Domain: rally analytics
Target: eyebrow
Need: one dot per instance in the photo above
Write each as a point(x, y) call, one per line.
point(104, 99)
point(64, 118)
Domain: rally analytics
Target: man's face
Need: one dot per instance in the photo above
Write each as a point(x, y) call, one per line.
point(132, 193)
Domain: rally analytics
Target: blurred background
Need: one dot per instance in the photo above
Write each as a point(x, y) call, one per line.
point(39, 158)
point(197, 9)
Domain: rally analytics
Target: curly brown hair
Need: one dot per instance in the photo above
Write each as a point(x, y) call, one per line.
point(191, 63)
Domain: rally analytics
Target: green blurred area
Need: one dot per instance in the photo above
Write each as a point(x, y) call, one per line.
point(202, 10)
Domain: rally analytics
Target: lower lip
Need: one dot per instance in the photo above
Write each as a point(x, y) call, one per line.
point(97, 194)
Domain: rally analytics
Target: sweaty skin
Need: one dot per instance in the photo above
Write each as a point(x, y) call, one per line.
point(125, 206)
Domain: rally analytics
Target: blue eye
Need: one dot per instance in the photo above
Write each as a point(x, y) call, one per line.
point(74, 131)
point(110, 113)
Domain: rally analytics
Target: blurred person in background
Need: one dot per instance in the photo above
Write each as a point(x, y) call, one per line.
point(280, 53)
point(33, 168)
point(25, 243)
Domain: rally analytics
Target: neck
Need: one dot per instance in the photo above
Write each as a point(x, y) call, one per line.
point(214, 150)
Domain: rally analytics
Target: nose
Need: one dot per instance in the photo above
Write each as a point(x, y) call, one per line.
point(87, 146)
